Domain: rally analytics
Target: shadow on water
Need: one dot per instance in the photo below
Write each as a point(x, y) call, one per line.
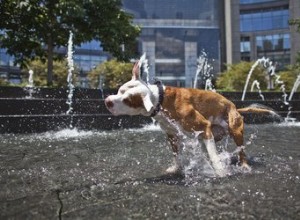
point(180, 179)
point(169, 179)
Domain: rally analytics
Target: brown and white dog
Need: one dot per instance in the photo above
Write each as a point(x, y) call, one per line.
point(183, 110)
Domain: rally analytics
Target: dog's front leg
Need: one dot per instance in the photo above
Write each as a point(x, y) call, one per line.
point(214, 157)
point(175, 144)
point(212, 152)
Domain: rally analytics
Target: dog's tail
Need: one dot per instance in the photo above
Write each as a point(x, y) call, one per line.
point(257, 108)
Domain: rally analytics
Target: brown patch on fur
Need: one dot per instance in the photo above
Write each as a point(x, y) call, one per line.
point(134, 101)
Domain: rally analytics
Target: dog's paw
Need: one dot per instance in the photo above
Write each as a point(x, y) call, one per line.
point(174, 169)
point(245, 167)
point(221, 172)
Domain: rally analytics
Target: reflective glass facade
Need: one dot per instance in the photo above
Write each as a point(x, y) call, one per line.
point(264, 20)
point(265, 31)
point(175, 32)
point(276, 42)
point(88, 55)
point(173, 9)
point(255, 1)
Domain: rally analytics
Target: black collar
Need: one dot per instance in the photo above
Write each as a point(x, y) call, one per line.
point(160, 98)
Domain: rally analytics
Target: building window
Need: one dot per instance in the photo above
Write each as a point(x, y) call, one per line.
point(264, 20)
point(255, 1)
point(276, 42)
point(6, 59)
point(245, 44)
point(276, 47)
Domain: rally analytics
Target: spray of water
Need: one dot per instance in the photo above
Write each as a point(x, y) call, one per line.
point(266, 63)
point(30, 84)
point(282, 87)
point(70, 77)
point(257, 85)
point(30, 79)
point(295, 87)
point(205, 70)
point(143, 64)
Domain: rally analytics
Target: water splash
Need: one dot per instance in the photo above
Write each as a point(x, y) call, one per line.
point(282, 87)
point(257, 85)
point(209, 85)
point(30, 79)
point(70, 77)
point(65, 134)
point(144, 67)
point(295, 87)
point(101, 83)
point(30, 85)
point(205, 69)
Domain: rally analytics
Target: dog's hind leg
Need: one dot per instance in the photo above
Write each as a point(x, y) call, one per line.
point(174, 142)
point(236, 130)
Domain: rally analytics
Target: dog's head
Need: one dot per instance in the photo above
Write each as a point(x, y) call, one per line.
point(133, 98)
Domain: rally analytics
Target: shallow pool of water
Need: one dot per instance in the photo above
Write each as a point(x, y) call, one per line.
point(73, 174)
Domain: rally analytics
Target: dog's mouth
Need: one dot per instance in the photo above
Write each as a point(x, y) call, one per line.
point(110, 106)
point(112, 111)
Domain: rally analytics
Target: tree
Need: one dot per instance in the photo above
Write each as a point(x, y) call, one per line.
point(295, 22)
point(33, 28)
point(234, 78)
point(113, 73)
point(60, 72)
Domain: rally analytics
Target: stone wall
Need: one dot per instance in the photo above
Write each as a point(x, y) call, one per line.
point(46, 110)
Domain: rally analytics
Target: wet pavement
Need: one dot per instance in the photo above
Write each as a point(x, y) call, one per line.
point(71, 174)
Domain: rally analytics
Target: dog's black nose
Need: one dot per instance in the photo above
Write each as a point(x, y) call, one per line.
point(109, 103)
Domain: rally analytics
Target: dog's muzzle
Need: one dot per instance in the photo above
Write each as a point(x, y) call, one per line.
point(109, 104)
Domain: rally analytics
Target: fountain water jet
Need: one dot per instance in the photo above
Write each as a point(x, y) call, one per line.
point(70, 77)
point(144, 67)
point(256, 83)
point(266, 64)
point(30, 84)
point(295, 87)
point(205, 69)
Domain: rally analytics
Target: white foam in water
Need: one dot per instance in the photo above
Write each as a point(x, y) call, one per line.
point(289, 124)
point(148, 127)
point(66, 133)
point(198, 165)
point(151, 127)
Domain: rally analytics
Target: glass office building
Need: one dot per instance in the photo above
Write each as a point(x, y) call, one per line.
point(265, 30)
point(260, 28)
point(174, 33)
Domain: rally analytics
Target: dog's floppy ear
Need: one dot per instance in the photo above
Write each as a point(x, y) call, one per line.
point(147, 103)
point(136, 71)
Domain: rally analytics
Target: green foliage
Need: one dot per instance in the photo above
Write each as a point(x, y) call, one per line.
point(4, 82)
point(295, 22)
point(113, 72)
point(289, 76)
point(36, 27)
point(39, 68)
point(234, 78)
